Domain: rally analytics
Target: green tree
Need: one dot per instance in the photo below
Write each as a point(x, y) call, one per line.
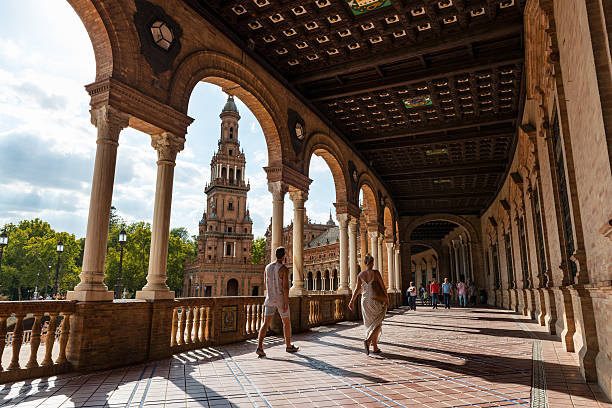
point(258, 251)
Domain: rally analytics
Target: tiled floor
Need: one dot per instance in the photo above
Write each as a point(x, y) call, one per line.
point(431, 358)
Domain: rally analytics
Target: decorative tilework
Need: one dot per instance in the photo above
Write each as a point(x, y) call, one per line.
point(229, 317)
point(364, 6)
point(417, 101)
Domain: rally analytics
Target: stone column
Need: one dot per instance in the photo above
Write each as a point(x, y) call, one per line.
point(298, 197)
point(380, 253)
point(167, 146)
point(373, 247)
point(352, 236)
point(109, 122)
point(390, 277)
point(457, 264)
point(363, 236)
point(278, 190)
point(398, 270)
point(343, 220)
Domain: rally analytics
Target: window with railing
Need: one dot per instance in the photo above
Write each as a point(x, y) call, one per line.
point(523, 249)
point(509, 263)
point(566, 218)
point(539, 230)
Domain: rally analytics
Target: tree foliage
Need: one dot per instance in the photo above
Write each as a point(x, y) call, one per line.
point(32, 249)
point(258, 251)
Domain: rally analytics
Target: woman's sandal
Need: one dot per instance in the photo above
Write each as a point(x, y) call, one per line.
point(291, 349)
point(367, 347)
point(260, 352)
point(377, 351)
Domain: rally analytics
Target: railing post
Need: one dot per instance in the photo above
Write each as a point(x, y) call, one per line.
point(174, 327)
point(181, 336)
point(196, 324)
point(189, 316)
point(2, 338)
point(64, 335)
point(202, 337)
point(35, 341)
point(50, 340)
point(16, 343)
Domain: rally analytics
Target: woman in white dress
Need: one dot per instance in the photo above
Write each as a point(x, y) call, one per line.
point(373, 307)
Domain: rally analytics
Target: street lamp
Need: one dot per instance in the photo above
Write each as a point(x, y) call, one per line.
point(3, 243)
point(48, 279)
point(122, 241)
point(59, 249)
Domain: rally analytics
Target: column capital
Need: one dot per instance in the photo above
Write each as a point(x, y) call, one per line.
point(167, 145)
point(298, 197)
point(353, 222)
point(343, 220)
point(389, 245)
point(373, 234)
point(278, 189)
point(110, 122)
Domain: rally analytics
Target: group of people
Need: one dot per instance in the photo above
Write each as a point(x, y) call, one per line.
point(436, 292)
point(374, 300)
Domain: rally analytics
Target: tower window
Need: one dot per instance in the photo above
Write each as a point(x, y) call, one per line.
point(229, 229)
point(230, 206)
point(228, 250)
point(230, 152)
point(231, 135)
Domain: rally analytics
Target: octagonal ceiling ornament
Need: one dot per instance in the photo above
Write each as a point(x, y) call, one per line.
point(159, 35)
point(297, 129)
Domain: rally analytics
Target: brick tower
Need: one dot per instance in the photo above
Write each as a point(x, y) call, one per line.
point(225, 230)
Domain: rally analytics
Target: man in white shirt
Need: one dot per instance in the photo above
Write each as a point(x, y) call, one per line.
point(412, 291)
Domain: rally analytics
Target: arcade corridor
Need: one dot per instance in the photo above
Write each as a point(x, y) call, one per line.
point(459, 358)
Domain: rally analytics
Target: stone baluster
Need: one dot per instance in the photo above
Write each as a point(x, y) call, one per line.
point(17, 341)
point(50, 340)
point(2, 338)
point(182, 324)
point(109, 123)
point(247, 317)
point(189, 315)
point(64, 336)
point(196, 324)
point(202, 324)
point(167, 145)
point(174, 327)
point(35, 341)
point(252, 318)
point(208, 324)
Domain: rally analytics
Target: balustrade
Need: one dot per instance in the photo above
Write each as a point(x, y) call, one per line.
point(24, 326)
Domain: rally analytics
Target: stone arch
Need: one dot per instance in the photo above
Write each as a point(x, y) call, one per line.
point(232, 287)
point(235, 79)
point(322, 146)
point(437, 248)
point(388, 222)
point(462, 222)
point(105, 25)
point(370, 203)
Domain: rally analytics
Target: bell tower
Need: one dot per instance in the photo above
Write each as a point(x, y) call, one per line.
point(226, 226)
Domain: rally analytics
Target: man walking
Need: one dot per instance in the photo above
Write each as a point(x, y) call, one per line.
point(276, 281)
point(446, 291)
point(412, 294)
point(462, 293)
point(434, 288)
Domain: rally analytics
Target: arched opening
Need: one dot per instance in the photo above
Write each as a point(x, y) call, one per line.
point(310, 283)
point(327, 285)
point(255, 291)
point(335, 280)
point(319, 282)
point(232, 287)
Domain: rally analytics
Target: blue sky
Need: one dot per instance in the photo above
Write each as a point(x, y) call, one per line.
point(47, 143)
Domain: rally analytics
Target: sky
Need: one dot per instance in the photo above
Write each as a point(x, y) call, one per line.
point(47, 143)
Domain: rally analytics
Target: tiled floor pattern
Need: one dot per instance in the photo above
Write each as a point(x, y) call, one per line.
point(431, 358)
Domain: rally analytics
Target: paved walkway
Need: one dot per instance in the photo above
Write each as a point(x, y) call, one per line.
point(431, 358)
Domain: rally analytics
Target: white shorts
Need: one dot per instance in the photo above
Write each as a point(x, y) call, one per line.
point(269, 310)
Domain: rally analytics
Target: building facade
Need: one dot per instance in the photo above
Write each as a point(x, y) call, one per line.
point(223, 264)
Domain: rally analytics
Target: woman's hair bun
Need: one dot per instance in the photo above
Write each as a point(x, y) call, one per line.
point(368, 259)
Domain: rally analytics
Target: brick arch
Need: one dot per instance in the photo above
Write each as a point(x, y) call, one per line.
point(322, 146)
point(369, 197)
point(471, 231)
point(112, 36)
point(437, 248)
point(388, 221)
point(231, 75)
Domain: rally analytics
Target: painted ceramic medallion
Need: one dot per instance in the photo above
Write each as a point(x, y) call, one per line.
point(417, 101)
point(364, 6)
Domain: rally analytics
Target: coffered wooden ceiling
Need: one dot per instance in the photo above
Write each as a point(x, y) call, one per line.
point(428, 91)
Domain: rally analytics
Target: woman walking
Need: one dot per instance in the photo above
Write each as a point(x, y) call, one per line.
point(374, 303)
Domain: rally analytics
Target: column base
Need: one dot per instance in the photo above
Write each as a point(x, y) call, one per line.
point(344, 291)
point(91, 295)
point(297, 291)
point(155, 294)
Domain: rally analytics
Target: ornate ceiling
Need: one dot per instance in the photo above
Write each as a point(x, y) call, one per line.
point(428, 91)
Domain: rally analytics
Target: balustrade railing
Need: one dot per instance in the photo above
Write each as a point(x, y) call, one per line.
point(47, 323)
